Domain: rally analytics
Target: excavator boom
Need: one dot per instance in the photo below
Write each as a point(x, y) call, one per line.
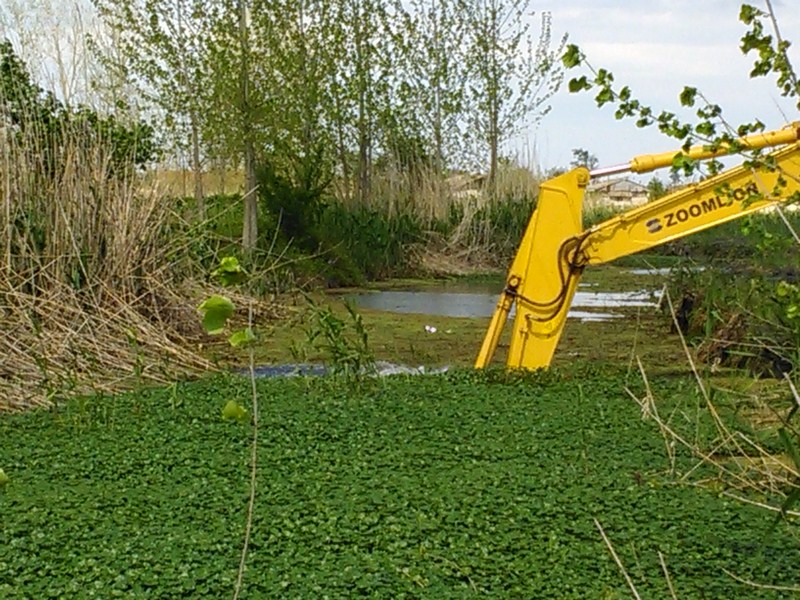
point(555, 247)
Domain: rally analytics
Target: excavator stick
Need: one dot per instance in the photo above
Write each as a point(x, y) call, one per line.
point(555, 248)
point(542, 279)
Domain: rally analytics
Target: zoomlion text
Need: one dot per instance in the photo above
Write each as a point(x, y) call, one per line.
point(701, 208)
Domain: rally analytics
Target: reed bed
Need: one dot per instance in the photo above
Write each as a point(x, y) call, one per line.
point(96, 286)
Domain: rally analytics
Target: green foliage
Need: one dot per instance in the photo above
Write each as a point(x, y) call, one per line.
point(747, 321)
point(598, 214)
point(772, 51)
point(342, 343)
point(572, 57)
point(343, 245)
point(583, 158)
point(656, 189)
point(233, 411)
point(216, 311)
point(512, 73)
point(229, 272)
point(710, 127)
point(298, 199)
point(242, 337)
point(427, 487)
point(788, 296)
point(497, 227)
point(40, 118)
point(432, 94)
point(370, 241)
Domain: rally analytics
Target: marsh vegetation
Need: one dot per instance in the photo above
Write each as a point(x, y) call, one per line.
point(661, 454)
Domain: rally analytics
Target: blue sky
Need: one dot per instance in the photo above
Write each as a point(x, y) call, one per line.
point(656, 47)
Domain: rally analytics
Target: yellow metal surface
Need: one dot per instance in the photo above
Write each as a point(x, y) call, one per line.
point(554, 250)
point(779, 137)
point(540, 282)
point(725, 197)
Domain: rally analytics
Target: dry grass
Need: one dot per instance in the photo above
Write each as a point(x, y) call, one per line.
point(180, 182)
point(96, 291)
point(742, 465)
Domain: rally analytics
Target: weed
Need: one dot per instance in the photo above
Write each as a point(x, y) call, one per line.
point(343, 344)
point(463, 485)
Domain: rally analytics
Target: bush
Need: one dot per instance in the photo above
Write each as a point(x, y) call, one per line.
point(297, 200)
point(378, 245)
point(750, 321)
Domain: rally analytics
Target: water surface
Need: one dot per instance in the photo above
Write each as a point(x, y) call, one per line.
point(600, 305)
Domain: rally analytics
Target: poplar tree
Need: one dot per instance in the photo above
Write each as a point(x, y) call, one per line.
point(164, 52)
point(429, 40)
point(512, 72)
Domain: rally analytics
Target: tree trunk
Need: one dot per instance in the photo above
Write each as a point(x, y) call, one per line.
point(492, 159)
point(199, 197)
point(342, 147)
point(250, 229)
point(363, 169)
point(250, 220)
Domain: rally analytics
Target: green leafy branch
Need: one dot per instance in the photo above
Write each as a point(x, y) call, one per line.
point(216, 311)
point(343, 342)
point(711, 129)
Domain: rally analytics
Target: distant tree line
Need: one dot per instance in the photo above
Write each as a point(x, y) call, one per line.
point(351, 85)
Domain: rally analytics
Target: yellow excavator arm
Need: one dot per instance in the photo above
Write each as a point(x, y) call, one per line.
point(555, 247)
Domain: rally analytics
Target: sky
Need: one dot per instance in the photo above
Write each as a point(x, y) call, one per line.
point(656, 47)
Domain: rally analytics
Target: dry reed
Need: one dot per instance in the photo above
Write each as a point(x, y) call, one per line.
point(95, 284)
point(740, 463)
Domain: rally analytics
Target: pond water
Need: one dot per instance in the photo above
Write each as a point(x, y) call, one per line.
point(381, 369)
point(587, 305)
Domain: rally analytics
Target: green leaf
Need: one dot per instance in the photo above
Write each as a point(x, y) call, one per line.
point(683, 163)
point(605, 96)
point(233, 411)
point(4, 479)
point(688, 95)
point(578, 84)
point(242, 337)
point(216, 312)
point(572, 56)
point(784, 289)
point(747, 14)
point(229, 272)
point(705, 128)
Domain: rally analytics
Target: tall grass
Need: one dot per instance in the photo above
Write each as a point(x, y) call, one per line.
point(741, 308)
point(409, 216)
point(746, 443)
point(90, 263)
point(462, 218)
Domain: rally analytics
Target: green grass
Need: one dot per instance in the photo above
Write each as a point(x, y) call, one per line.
point(430, 487)
point(401, 338)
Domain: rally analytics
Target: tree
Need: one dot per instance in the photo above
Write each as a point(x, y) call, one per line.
point(511, 75)
point(656, 189)
point(165, 53)
point(431, 87)
point(246, 113)
point(583, 158)
point(360, 88)
point(29, 112)
point(710, 128)
point(49, 35)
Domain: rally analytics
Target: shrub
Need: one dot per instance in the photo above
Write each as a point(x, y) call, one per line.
point(378, 245)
